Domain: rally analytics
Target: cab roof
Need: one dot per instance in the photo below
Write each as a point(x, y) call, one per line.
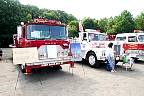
point(96, 32)
point(129, 34)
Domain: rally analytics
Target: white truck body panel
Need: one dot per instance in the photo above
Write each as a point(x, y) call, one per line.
point(44, 55)
point(25, 55)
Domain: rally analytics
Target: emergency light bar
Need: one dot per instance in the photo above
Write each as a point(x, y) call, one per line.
point(90, 30)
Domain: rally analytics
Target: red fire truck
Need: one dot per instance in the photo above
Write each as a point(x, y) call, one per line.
point(130, 43)
point(49, 38)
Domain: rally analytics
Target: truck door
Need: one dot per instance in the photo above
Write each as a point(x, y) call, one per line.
point(84, 41)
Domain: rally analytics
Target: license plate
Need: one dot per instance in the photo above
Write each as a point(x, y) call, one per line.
point(50, 64)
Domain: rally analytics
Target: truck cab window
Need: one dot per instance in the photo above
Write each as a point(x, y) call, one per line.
point(121, 38)
point(132, 39)
point(141, 38)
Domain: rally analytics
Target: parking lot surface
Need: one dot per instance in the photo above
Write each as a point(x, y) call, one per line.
point(80, 81)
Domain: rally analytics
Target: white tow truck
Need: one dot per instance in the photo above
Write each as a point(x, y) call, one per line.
point(90, 46)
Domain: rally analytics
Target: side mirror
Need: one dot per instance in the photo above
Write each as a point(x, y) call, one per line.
point(89, 39)
point(19, 31)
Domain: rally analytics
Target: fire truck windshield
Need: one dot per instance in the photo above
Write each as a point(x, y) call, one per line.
point(97, 37)
point(42, 32)
point(141, 38)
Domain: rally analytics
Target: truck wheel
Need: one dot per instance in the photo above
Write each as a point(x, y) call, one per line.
point(92, 60)
point(57, 67)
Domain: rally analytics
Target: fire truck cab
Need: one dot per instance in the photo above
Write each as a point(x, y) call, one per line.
point(50, 40)
point(131, 43)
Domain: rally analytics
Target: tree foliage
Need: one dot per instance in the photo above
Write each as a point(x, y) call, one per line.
point(9, 18)
point(111, 26)
point(124, 23)
point(89, 23)
point(139, 21)
point(12, 13)
point(102, 23)
point(73, 29)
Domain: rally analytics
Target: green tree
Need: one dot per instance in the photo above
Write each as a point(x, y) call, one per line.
point(10, 17)
point(12, 13)
point(50, 15)
point(71, 18)
point(102, 23)
point(30, 9)
point(111, 26)
point(29, 17)
point(57, 15)
point(139, 20)
point(89, 23)
point(124, 23)
point(73, 29)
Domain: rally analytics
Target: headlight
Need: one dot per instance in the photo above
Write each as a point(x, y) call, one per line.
point(141, 52)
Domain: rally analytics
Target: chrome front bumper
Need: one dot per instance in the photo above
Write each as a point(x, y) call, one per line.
point(50, 61)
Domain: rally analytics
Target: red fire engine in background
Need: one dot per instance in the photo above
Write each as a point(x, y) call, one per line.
point(130, 43)
point(50, 39)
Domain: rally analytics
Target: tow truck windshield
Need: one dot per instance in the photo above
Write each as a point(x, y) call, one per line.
point(97, 37)
point(42, 32)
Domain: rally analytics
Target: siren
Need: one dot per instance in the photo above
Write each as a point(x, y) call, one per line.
point(39, 20)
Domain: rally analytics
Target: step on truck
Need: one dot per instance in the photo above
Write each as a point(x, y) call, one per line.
point(91, 47)
point(41, 43)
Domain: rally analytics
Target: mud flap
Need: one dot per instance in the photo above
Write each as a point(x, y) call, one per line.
point(72, 65)
point(28, 70)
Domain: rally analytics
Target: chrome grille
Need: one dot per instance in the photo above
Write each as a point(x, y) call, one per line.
point(117, 49)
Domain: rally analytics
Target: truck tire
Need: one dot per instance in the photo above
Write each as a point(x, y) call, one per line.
point(57, 67)
point(92, 60)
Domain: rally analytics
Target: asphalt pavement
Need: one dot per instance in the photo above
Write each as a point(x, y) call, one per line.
point(79, 81)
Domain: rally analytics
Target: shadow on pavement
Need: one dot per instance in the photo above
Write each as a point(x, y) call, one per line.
point(118, 67)
point(44, 74)
point(139, 62)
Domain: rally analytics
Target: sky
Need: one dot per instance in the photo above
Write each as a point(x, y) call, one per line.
point(90, 8)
